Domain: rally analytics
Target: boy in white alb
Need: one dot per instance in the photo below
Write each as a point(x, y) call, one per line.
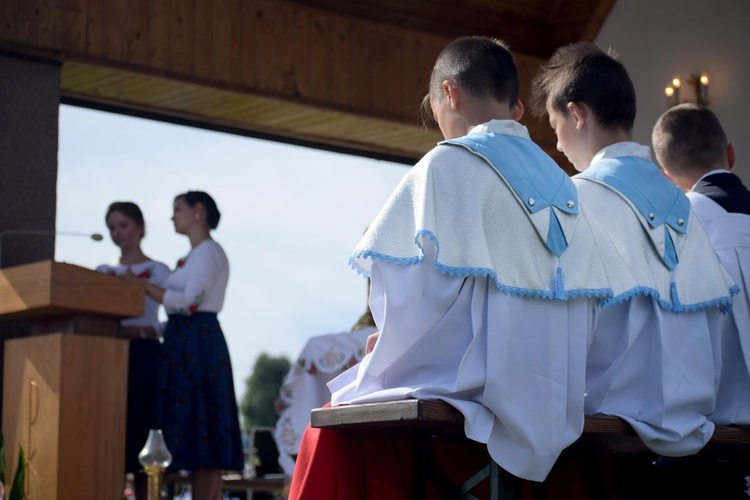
point(485, 273)
point(654, 356)
point(693, 151)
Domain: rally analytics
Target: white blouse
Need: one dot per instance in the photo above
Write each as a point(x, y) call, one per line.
point(199, 282)
point(150, 271)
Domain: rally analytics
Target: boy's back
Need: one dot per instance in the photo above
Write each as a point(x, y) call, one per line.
point(654, 356)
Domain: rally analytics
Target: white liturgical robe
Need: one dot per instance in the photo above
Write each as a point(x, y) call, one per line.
point(730, 235)
point(484, 284)
point(655, 354)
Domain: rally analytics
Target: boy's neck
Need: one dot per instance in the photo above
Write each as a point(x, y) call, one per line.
point(483, 111)
point(602, 138)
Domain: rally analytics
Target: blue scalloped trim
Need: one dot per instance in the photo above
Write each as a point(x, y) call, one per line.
point(725, 303)
point(559, 294)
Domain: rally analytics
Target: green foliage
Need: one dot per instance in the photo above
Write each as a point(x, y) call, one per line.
point(17, 490)
point(2, 459)
point(262, 389)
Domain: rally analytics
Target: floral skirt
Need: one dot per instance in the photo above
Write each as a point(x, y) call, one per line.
point(197, 408)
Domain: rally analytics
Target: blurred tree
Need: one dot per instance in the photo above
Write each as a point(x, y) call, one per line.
point(261, 390)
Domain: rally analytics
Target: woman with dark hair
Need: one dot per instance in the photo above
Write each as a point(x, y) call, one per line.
point(197, 408)
point(127, 228)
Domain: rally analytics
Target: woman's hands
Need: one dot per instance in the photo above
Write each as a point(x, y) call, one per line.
point(153, 291)
point(128, 275)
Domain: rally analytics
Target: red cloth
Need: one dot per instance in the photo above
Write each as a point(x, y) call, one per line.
point(362, 465)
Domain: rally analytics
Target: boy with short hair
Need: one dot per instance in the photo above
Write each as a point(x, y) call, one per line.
point(654, 355)
point(692, 149)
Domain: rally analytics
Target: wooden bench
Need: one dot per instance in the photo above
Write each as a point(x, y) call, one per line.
point(231, 484)
point(433, 417)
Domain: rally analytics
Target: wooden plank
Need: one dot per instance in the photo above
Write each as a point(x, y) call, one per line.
point(8, 19)
point(50, 23)
point(92, 401)
point(74, 23)
point(393, 101)
point(302, 63)
point(274, 56)
point(28, 22)
point(139, 18)
point(338, 31)
point(181, 21)
point(596, 20)
point(202, 40)
point(159, 35)
point(360, 73)
point(33, 288)
point(322, 71)
point(601, 431)
point(250, 52)
point(236, 36)
point(412, 414)
point(115, 25)
point(95, 28)
point(31, 411)
point(228, 482)
point(414, 83)
point(220, 40)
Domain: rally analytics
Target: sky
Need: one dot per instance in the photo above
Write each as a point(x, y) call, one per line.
point(290, 217)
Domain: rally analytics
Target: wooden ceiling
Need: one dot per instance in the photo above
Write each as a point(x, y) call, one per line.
point(344, 75)
point(531, 27)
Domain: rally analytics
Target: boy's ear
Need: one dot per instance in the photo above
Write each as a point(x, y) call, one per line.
point(580, 113)
point(731, 158)
point(452, 93)
point(517, 112)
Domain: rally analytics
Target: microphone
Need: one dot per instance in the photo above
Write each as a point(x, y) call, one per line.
point(44, 232)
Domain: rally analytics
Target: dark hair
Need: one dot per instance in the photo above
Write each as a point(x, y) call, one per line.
point(129, 210)
point(480, 65)
point(583, 73)
point(689, 138)
point(212, 211)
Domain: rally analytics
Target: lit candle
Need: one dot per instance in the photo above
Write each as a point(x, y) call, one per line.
point(676, 85)
point(669, 91)
point(703, 90)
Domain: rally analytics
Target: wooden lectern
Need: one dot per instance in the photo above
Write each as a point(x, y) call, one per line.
point(65, 380)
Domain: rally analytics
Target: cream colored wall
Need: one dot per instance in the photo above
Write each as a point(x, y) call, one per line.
point(658, 39)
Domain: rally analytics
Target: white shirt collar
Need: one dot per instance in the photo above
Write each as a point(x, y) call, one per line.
point(507, 127)
point(712, 172)
point(620, 149)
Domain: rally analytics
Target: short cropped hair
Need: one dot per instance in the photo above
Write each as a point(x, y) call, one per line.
point(583, 73)
point(192, 198)
point(129, 210)
point(481, 65)
point(688, 138)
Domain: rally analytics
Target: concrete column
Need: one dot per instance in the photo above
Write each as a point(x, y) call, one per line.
point(29, 103)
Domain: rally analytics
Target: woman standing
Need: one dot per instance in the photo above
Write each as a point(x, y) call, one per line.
point(197, 406)
point(127, 228)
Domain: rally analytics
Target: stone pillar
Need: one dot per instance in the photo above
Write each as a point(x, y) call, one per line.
point(29, 104)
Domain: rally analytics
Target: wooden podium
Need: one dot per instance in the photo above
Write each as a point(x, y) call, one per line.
point(65, 380)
